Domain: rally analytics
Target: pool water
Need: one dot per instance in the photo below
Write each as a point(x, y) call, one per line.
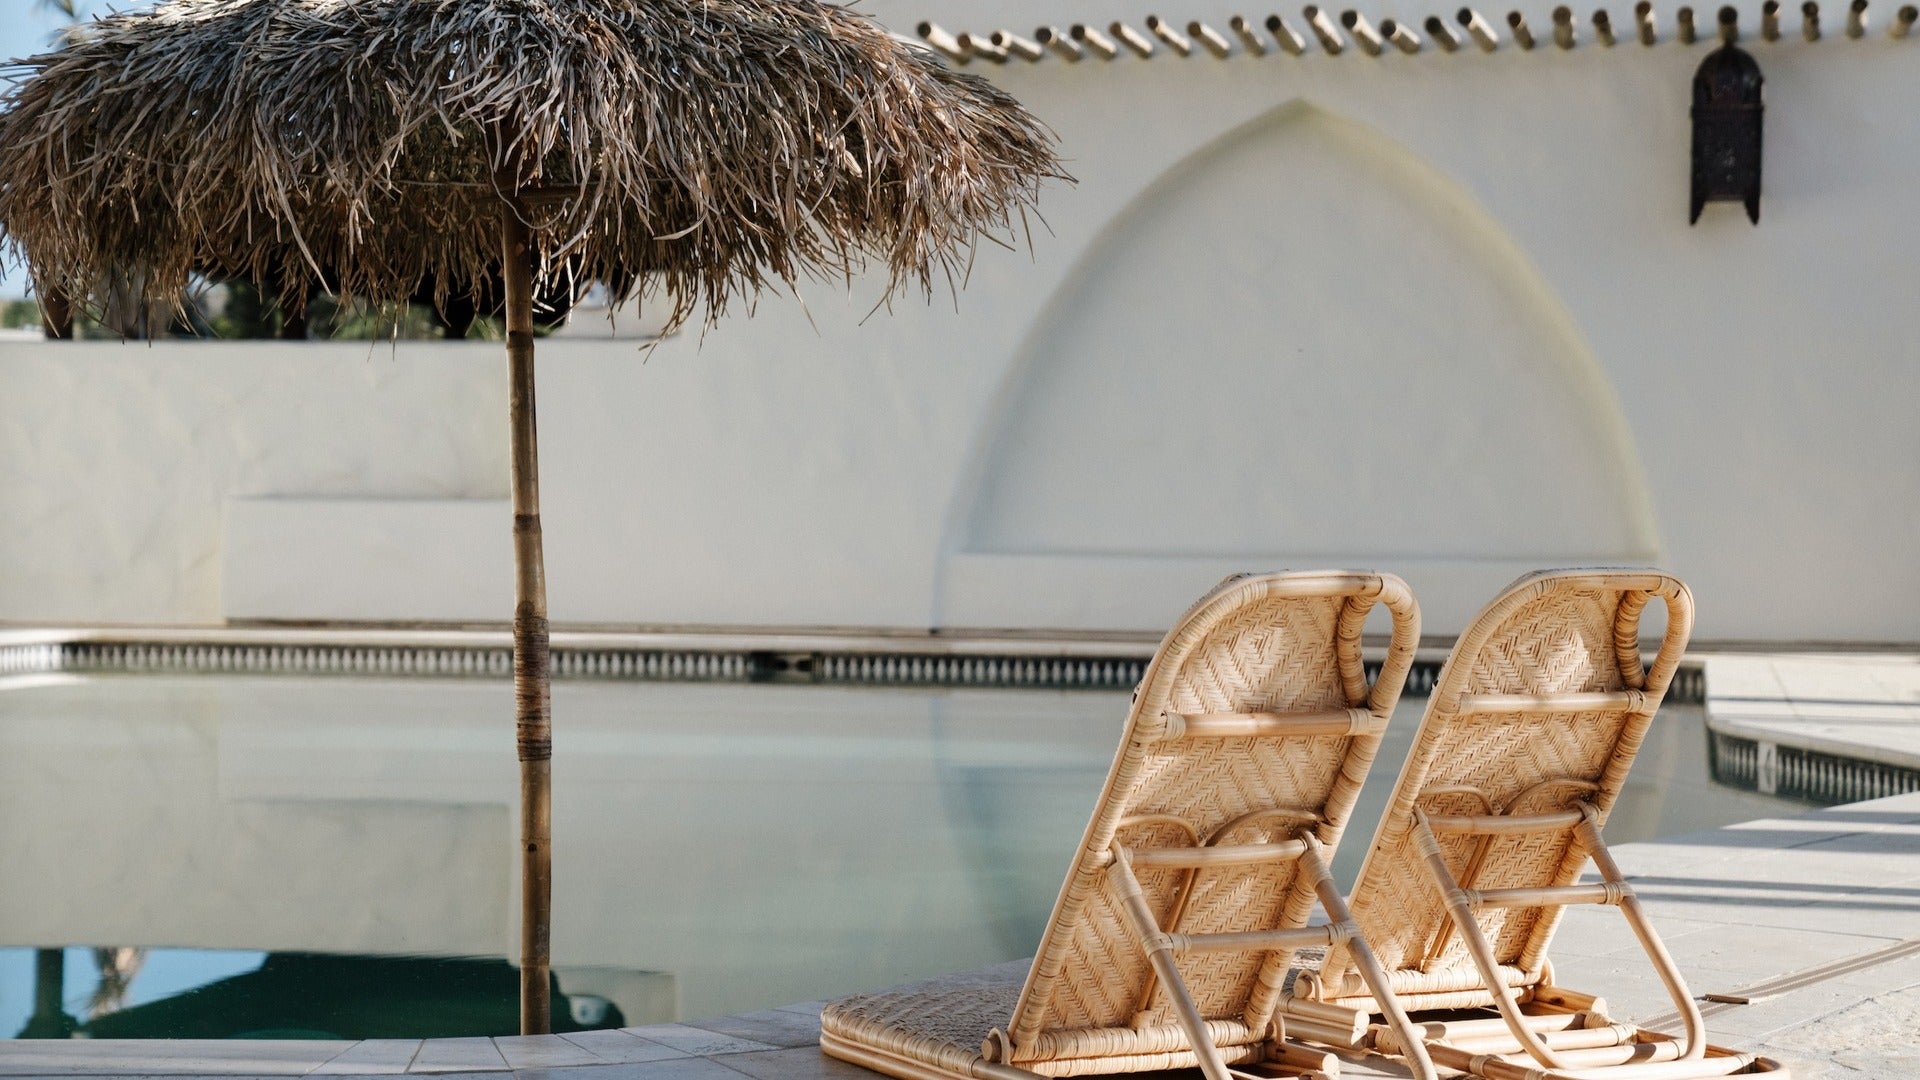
point(293, 857)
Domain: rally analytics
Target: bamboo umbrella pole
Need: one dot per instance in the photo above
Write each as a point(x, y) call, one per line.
point(532, 689)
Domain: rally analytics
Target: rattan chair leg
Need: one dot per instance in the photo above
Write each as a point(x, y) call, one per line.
point(1159, 950)
point(1478, 947)
point(1656, 950)
point(1369, 965)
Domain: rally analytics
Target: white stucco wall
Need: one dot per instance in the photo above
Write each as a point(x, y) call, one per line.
point(1439, 314)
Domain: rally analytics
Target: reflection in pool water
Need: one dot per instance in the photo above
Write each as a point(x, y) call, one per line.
point(718, 848)
point(304, 996)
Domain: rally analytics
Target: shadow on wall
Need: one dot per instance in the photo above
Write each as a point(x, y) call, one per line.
point(1303, 345)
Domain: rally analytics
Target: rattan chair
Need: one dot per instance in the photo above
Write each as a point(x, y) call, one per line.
point(1527, 739)
point(1190, 894)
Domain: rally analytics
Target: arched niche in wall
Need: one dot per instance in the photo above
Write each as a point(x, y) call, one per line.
point(1302, 346)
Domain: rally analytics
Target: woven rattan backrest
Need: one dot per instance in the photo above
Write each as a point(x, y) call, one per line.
point(1271, 642)
point(1562, 631)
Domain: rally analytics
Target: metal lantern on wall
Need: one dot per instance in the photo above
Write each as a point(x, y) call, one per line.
point(1727, 109)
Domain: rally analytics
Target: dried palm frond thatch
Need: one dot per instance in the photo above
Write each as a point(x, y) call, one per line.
point(702, 148)
point(699, 149)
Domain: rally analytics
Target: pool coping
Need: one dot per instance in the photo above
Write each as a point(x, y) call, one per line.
point(661, 1051)
point(1824, 727)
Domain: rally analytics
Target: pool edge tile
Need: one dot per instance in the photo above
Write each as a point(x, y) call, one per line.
point(372, 1057)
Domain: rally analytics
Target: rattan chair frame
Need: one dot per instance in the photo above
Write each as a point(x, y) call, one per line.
point(1189, 898)
point(1527, 740)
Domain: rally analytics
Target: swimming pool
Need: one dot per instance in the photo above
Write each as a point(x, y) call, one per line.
point(718, 847)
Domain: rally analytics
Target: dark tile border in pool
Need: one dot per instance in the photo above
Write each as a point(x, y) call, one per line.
point(1037, 661)
point(1822, 779)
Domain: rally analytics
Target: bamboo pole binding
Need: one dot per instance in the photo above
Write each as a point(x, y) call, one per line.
point(1289, 38)
point(1683, 20)
point(1478, 28)
point(532, 659)
point(1063, 46)
point(946, 44)
point(1175, 40)
point(1563, 26)
point(1402, 38)
point(1248, 34)
point(1364, 35)
point(1442, 34)
point(1323, 28)
point(1096, 42)
point(1522, 33)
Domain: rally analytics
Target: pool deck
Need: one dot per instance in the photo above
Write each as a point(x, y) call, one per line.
point(1858, 707)
point(1814, 919)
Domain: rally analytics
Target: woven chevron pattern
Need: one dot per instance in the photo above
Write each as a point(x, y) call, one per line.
point(1559, 632)
point(1273, 643)
point(941, 1021)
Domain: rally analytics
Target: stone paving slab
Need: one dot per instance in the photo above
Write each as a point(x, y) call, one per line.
point(262, 1057)
point(1862, 707)
point(619, 1047)
point(773, 1027)
point(372, 1057)
point(543, 1052)
point(680, 1068)
point(458, 1055)
point(798, 1063)
point(698, 1041)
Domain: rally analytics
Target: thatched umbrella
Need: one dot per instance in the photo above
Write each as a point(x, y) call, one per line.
point(693, 151)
